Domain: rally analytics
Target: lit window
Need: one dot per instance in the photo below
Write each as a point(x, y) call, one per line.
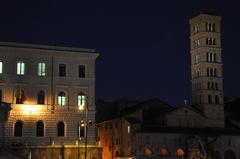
point(147, 152)
point(1, 67)
point(81, 101)
point(180, 152)
point(61, 99)
point(129, 129)
point(81, 71)
point(41, 69)
point(164, 152)
point(20, 68)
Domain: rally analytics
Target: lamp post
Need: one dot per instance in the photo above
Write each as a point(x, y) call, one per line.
point(86, 126)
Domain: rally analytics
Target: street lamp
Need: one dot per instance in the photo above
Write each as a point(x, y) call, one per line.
point(83, 125)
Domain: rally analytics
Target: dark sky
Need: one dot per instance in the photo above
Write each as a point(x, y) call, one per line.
point(143, 45)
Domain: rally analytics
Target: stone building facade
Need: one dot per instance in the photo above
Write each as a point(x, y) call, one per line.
point(50, 90)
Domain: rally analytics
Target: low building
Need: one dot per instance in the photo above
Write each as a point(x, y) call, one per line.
point(153, 129)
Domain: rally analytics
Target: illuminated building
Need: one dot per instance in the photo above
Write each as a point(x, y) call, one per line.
point(50, 90)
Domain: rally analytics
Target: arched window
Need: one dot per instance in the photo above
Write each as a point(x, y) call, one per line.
point(216, 99)
point(81, 101)
point(164, 152)
point(40, 128)
point(147, 152)
point(209, 99)
point(18, 127)
point(207, 57)
point(41, 97)
point(61, 99)
point(20, 96)
point(211, 72)
point(180, 152)
point(60, 129)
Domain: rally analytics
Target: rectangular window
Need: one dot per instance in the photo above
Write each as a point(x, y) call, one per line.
point(20, 68)
point(81, 101)
point(81, 71)
point(41, 69)
point(1, 67)
point(128, 129)
point(62, 70)
point(61, 100)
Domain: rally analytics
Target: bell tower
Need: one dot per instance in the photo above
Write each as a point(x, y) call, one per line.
point(206, 68)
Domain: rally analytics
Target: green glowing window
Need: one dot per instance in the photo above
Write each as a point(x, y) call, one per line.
point(81, 101)
point(61, 99)
point(41, 69)
point(20, 68)
point(1, 67)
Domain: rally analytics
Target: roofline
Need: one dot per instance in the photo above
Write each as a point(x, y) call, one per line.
point(45, 47)
point(176, 130)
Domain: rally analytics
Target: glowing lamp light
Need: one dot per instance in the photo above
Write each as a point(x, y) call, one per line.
point(81, 107)
point(30, 109)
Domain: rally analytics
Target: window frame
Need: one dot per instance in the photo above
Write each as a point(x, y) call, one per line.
point(82, 71)
point(61, 98)
point(41, 69)
point(18, 133)
point(42, 129)
point(1, 67)
point(38, 97)
point(81, 101)
point(64, 74)
point(62, 132)
point(21, 68)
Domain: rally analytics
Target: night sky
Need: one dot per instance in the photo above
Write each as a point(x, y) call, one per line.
point(143, 45)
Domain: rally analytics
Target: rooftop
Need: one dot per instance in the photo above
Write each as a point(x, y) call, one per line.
point(45, 47)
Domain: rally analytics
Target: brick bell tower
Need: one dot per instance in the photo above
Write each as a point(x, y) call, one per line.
point(206, 68)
